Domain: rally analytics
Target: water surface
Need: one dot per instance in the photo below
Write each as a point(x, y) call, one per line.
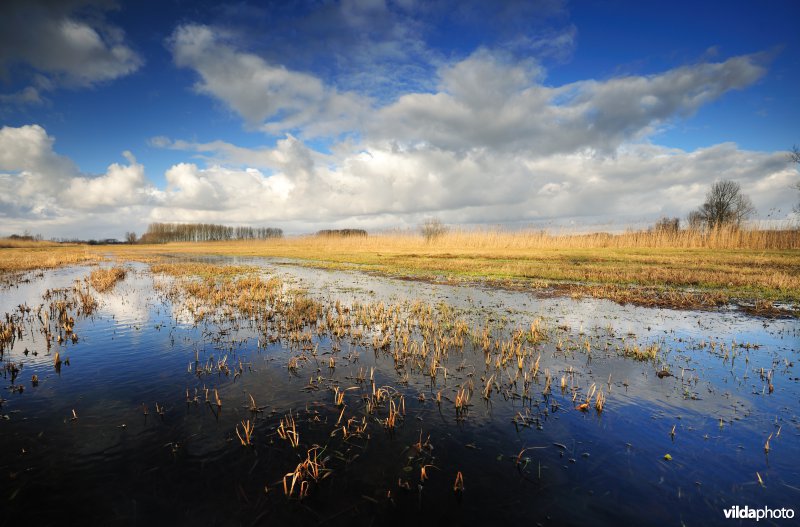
point(534, 459)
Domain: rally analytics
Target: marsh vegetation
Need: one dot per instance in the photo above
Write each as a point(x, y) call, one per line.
point(662, 267)
point(243, 390)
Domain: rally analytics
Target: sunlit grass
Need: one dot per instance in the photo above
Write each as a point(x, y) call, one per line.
point(748, 264)
point(105, 279)
point(24, 256)
point(16, 243)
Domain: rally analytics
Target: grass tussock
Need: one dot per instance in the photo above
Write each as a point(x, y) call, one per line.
point(105, 279)
point(200, 270)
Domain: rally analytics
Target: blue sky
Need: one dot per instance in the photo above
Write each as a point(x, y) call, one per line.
point(374, 114)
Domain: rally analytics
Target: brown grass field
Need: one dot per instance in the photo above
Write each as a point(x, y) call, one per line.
point(17, 256)
point(683, 269)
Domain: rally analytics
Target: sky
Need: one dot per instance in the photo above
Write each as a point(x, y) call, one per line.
point(379, 114)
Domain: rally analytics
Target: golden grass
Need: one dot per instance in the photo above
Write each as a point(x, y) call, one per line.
point(43, 255)
point(201, 270)
point(105, 279)
point(11, 243)
point(748, 264)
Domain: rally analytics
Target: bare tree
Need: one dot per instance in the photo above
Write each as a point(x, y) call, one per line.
point(432, 228)
point(695, 220)
point(794, 157)
point(130, 237)
point(667, 225)
point(725, 206)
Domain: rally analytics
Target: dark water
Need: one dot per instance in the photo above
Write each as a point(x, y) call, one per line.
point(536, 461)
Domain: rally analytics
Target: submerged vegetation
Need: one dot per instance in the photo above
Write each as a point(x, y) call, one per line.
point(405, 408)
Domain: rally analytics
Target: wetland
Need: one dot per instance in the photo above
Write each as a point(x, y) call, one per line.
point(247, 390)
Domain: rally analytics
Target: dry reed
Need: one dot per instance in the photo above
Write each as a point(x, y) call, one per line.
point(740, 263)
point(105, 279)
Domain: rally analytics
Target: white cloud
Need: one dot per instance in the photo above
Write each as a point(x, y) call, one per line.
point(384, 186)
point(28, 151)
point(488, 100)
point(120, 186)
point(244, 195)
point(491, 144)
point(263, 94)
point(375, 185)
point(40, 188)
point(63, 43)
point(222, 191)
point(484, 102)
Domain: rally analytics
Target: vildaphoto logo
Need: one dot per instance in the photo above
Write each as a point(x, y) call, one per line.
point(746, 513)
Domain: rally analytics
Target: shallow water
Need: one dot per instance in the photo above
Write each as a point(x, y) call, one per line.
point(114, 464)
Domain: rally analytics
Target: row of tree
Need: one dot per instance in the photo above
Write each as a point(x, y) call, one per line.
point(342, 232)
point(201, 232)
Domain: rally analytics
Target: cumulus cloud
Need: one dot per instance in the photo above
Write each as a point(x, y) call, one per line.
point(40, 172)
point(40, 187)
point(486, 140)
point(491, 144)
point(483, 102)
point(61, 43)
point(487, 100)
point(373, 186)
point(264, 94)
point(244, 195)
point(120, 186)
point(389, 187)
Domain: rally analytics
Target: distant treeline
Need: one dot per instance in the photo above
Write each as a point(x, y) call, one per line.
point(27, 237)
point(205, 232)
point(342, 232)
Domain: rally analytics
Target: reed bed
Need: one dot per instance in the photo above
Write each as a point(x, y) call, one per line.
point(723, 238)
point(726, 263)
point(12, 243)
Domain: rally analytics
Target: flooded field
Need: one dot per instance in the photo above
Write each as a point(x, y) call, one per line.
point(253, 392)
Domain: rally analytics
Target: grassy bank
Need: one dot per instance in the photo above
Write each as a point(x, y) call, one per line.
point(683, 268)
